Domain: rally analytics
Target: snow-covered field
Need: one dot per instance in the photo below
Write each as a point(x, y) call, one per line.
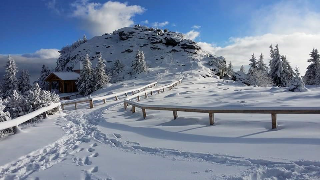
point(108, 142)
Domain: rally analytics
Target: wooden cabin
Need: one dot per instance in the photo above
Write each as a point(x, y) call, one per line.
point(66, 81)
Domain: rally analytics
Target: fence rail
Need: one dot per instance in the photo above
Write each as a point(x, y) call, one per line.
point(19, 120)
point(104, 98)
point(212, 110)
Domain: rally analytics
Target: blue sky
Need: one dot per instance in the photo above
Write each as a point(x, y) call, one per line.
point(31, 25)
point(33, 31)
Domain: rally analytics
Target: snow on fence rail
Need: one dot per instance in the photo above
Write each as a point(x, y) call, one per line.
point(104, 98)
point(212, 110)
point(19, 120)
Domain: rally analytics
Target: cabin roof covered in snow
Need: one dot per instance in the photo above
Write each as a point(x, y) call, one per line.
point(66, 76)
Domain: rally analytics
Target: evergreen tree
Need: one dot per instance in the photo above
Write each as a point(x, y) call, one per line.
point(84, 83)
point(139, 64)
point(24, 82)
point(84, 39)
point(287, 72)
point(117, 70)
point(242, 69)
point(230, 69)
point(275, 66)
point(297, 84)
point(45, 72)
point(257, 76)
point(312, 76)
point(100, 76)
point(10, 81)
point(261, 65)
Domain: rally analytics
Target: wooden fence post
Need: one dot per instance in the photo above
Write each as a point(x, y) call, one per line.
point(144, 113)
point(151, 93)
point(211, 118)
point(104, 101)
point(91, 103)
point(163, 89)
point(44, 114)
point(274, 120)
point(62, 106)
point(116, 98)
point(125, 105)
point(158, 91)
point(138, 98)
point(133, 109)
point(175, 114)
point(145, 95)
point(15, 129)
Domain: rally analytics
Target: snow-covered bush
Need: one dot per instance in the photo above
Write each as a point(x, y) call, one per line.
point(297, 84)
point(4, 116)
point(15, 104)
point(34, 101)
point(139, 64)
point(85, 82)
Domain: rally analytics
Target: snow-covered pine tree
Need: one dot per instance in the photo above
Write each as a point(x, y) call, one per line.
point(100, 76)
point(139, 64)
point(84, 39)
point(84, 83)
point(117, 70)
point(312, 76)
point(287, 72)
point(257, 75)
point(230, 69)
point(45, 72)
point(33, 98)
point(24, 82)
point(297, 84)
point(261, 65)
point(10, 81)
point(15, 104)
point(242, 69)
point(275, 66)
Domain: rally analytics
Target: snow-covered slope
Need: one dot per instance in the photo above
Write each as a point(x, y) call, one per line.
point(165, 51)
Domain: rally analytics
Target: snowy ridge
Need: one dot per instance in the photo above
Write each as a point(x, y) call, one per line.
point(24, 118)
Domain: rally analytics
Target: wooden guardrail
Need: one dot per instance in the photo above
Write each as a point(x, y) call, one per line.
point(90, 100)
point(213, 110)
point(19, 120)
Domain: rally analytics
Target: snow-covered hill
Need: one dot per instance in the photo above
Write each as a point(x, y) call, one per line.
point(165, 51)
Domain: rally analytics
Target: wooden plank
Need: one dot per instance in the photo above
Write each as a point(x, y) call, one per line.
point(144, 113)
point(91, 104)
point(175, 114)
point(211, 118)
point(133, 109)
point(274, 120)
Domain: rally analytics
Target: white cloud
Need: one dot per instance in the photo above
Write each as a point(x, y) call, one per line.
point(105, 18)
point(53, 6)
point(160, 24)
point(44, 54)
point(32, 62)
point(192, 35)
point(145, 22)
point(286, 17)
point(196, 27)
point(292, 25)
point(295, 46)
